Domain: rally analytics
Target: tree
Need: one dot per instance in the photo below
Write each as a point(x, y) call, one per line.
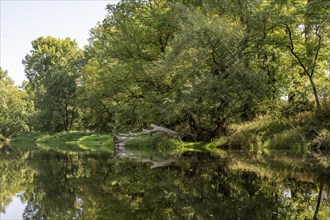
point(211, 85)
point(14, 106)
point(122, 50)
point(52, 68)
point(301, 29)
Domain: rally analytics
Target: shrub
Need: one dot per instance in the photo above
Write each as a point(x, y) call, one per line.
point(159, 142)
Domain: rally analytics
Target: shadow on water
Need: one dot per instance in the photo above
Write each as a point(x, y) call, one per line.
point(55, 185)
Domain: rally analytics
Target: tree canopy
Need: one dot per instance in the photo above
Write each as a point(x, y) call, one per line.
point(52, 68)
point(193, 66)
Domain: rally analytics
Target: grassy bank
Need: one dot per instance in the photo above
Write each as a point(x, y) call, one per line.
point(303, 133)
point(64, 142)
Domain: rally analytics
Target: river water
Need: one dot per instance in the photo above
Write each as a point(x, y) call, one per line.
point(49, 185)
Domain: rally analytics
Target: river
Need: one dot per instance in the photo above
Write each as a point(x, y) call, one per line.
point(50, 185)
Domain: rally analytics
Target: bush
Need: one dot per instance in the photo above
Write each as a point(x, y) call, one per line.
point(158, 142)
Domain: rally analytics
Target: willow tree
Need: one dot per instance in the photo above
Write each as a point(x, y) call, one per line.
point(211, 84)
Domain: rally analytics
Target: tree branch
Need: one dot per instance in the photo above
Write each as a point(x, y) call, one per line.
point(291, 47)
point(317, 50)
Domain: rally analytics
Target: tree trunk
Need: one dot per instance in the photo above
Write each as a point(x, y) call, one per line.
point(192, 124)
point(72, 118)
point(155, 129)
point(316, 96)
point(308, 31)
point(66, 119)
point(220, 128)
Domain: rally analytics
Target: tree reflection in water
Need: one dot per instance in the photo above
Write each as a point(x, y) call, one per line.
point(94, 186)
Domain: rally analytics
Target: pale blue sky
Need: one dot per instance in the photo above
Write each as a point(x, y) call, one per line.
point(22, 21)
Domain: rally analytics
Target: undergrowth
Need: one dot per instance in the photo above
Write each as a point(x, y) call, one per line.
point(301, 133)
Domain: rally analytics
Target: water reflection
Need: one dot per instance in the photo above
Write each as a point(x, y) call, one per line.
point(94, 186)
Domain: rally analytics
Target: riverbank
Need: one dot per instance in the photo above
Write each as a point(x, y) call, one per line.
point(151, 147)
point(303, 134)
point(259, 163)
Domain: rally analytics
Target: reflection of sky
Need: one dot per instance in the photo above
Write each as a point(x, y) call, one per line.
point(14, 211)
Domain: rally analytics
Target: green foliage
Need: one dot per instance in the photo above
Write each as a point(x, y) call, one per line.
point(262, 133)
point(26, 138)
point(229, 74)
point(97, 141)
point(14, 107)
point(157, 145)
point(299, 29)
point(198, 67)
point(292, 139)
point(52, 69)
point(117, 82)
point(211, 86)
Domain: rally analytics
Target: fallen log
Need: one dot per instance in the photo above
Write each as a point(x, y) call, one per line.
point(155, 129)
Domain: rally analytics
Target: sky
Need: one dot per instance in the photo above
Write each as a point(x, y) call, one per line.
point(22, 21)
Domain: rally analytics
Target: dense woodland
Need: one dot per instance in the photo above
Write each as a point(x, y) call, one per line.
point(193, 66)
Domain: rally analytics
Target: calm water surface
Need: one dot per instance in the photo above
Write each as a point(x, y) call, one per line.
point(281, 185)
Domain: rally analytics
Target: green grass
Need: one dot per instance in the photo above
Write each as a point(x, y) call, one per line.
point(25, 141)
point(64, 142)
point(300, 133)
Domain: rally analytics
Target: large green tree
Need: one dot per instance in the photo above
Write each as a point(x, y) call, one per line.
point(123, 48)
point(166, 62)
point(52, 68)
point(212, 84)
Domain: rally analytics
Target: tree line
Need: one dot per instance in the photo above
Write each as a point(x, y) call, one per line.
point(190, 65)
